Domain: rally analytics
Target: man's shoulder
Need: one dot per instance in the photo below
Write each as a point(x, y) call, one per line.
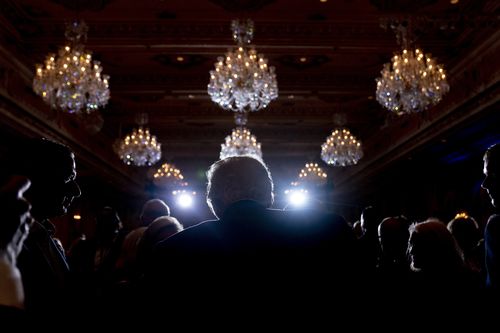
point(310, 217)
point(494, 217)
point(193, 233)
point(493, 223)
point(311, 223)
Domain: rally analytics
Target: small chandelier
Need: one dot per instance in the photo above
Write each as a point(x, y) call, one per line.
point(169, 175)
point(412, 81)
point(312, 174)
point(242, 81)
point(341, 148)
point(241, 143)
point(140, 148)
point(71, 81)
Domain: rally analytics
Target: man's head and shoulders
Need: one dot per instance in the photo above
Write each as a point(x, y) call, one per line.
point(51, 168)
point(240, 193)
point(251, 249)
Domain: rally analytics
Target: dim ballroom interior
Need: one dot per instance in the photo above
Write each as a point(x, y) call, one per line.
point(327, 56)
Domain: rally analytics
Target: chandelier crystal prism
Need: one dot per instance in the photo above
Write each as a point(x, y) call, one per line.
point(341, 148)
point(242, 81)
point(241, 143)
point(412, 81)
point(72, 81)
point(140, 148)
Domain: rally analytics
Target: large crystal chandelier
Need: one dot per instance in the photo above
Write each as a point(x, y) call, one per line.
point(140, 148)
point(240, 142)
point(71, 81)
point(312, 174)
point(169, 175)
point(341, 148)
point(412, 81)
point(242, 81)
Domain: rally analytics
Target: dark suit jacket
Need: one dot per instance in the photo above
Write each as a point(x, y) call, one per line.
point(255, 252)
point(44, 270)
point(492, 246)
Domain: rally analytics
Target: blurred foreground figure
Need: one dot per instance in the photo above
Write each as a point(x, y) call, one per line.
point(14, 228)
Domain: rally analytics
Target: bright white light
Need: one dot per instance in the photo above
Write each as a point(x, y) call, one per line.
point(297, 197)
point(185, 200)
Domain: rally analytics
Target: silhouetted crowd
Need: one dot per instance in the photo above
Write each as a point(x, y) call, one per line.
point(251, 262)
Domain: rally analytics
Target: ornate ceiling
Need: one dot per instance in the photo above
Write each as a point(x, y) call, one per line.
point(327, 55)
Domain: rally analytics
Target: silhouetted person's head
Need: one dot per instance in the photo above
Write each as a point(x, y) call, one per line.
point(238, 178)
point(356, 228)
point(153, 209)
point(108, 224)
point(50, 166)
point(370, 220)
point(393, 234)
point(466, 232)
point(432, 247)
point(491, 171)
point(160, 229)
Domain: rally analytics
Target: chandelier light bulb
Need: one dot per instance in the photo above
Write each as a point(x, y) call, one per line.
point(72, 81)
point(341, 148)
point(411, 82)
point(242, 81)
point(169, 175)
point(140, 148)
point(312, 174)
point(241, 143)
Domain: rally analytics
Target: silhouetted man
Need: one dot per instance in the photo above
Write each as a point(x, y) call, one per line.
point(50, 167)
point(491, 184)
point(252, 251)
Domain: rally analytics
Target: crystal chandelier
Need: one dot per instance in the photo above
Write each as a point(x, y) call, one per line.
point(312, 174)
point(240, 142)
point(71, 81)
point(341, 148)
point(242, 81)
point(169, 175)
point(412, 81)
point(140, 148)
